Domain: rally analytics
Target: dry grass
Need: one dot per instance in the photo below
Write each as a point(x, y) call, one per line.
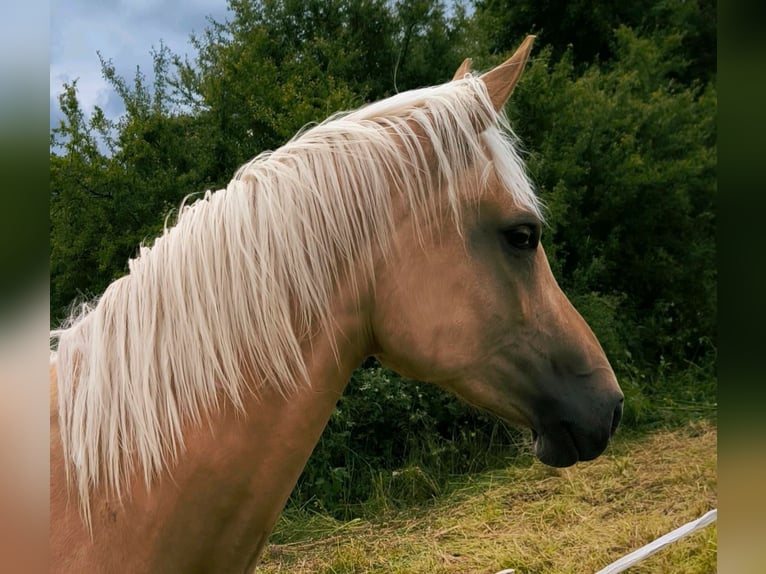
point(532, 518)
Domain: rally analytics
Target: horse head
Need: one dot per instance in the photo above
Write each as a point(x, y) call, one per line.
point(473, 307)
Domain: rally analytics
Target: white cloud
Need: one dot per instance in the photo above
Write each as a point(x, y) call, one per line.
point(123, 31)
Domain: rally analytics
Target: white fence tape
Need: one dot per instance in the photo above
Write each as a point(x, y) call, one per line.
point(645, 551)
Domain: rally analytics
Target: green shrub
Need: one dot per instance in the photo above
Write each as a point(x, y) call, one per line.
point(625, 159)
point(399, 438)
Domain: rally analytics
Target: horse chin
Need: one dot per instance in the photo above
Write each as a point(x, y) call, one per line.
point(555, 447)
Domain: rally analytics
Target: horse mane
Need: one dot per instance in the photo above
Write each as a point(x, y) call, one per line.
point(223, 299)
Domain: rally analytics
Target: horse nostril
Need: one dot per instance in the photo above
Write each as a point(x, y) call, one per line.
point(616, 417)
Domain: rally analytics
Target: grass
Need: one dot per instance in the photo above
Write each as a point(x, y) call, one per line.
point(529, 517)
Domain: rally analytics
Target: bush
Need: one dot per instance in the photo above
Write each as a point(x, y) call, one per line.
point(395, 441)
point(625, 159)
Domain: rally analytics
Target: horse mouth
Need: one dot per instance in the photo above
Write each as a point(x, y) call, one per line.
point(555, 448)
point(554, 442)
point(558, 446)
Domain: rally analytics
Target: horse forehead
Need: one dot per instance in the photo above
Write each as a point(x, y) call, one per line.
point(497, 200)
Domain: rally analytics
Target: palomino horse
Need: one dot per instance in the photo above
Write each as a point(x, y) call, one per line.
point(190, 396)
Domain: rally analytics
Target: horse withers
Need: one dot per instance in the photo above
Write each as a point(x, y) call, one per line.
point(186, 400)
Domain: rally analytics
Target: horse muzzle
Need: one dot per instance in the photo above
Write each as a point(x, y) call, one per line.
point(565, 439)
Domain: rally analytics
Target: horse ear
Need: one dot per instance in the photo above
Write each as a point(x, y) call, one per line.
point(465, 68)
point(502, 80)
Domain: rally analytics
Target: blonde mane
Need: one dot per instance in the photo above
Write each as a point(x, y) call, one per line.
point(227, 295)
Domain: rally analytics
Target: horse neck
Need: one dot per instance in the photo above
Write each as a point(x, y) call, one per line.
point(214, 509)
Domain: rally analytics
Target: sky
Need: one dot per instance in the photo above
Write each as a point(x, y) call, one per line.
point(124, 31)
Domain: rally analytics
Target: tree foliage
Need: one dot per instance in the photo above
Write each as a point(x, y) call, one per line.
point(625, 158)
point(587, 30)
point(113, 182)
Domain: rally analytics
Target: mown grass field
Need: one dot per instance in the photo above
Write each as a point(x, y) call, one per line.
point(529, 517)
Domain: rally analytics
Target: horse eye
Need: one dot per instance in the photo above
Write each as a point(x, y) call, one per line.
point(523, 237)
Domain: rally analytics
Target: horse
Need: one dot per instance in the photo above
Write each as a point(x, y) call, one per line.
point(187, 399)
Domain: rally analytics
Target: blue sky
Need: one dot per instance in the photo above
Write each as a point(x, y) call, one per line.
point(121, 30)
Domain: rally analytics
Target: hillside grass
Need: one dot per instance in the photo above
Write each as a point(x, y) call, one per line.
point(530, 517)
